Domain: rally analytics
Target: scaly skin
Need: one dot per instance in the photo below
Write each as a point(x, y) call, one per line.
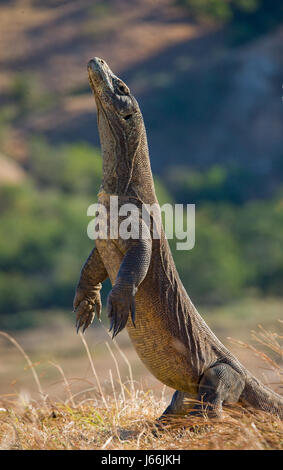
point(147, 296)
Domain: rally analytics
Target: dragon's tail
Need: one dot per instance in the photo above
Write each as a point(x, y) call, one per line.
point(261, 397)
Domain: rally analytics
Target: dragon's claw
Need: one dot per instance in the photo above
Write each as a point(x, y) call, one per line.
point(85, 311)
point(119, 306)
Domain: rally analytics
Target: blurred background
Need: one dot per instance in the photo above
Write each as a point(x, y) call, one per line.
point(208, 78)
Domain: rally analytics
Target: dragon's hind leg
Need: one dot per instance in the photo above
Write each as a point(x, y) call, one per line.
point(219, 384)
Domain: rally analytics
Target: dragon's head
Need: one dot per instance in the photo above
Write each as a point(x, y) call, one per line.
point(112, 94)
point(126, 166)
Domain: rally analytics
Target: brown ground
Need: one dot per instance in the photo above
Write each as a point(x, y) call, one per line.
point(110, 401)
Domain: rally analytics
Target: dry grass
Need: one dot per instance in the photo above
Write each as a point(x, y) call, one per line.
point(124, 419)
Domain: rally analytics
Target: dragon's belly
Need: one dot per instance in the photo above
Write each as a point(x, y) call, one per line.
point(163, 354)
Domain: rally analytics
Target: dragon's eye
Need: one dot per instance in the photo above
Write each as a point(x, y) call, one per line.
point(122, 88)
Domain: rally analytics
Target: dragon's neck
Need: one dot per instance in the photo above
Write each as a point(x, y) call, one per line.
point(126, 166)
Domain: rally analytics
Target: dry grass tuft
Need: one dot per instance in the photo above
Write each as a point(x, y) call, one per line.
point(125, 419)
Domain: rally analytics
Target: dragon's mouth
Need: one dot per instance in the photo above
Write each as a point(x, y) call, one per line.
point(96, 64)
point(98, 73)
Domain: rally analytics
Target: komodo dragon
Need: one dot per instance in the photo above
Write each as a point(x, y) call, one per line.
point(169, 335)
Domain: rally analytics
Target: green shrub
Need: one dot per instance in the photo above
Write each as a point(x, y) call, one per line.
point(214, 270)
point(246, 18)
point(29, 94)
point(43, 243)
point(43, 230)
point(73, 168)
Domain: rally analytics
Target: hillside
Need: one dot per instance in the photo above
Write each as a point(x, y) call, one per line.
point(197, 92)
point(45, 48)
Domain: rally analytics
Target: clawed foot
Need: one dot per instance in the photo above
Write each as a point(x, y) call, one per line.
point(85, 309)
point(120, 302)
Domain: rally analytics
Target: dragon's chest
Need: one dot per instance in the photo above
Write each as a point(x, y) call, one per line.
point(111, 257)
